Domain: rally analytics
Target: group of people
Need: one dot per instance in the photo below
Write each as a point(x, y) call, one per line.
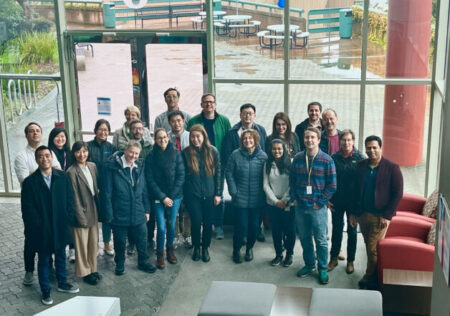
point(175, 181)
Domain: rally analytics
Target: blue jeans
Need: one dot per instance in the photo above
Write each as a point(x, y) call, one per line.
point(172, 213)
point(313, 223)
point(44, 271)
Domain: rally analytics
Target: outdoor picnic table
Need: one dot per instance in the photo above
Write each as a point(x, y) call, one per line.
point(279, 28)
point(216, 14)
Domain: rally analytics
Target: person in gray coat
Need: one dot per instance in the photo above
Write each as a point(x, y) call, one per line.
point(244, 175)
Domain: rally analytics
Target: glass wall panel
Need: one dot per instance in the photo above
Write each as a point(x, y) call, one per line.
point(400, 115)
point(401, 35)
point(28, 37)
point(334, 40)
point(241, 51)
point(344, 99)
point(105, 84)
point(267, 98)
point(27, 107)
point(165, 60)
point(2, 178)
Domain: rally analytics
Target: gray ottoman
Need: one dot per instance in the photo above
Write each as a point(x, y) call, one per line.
point(238, 298)
point(342, 302)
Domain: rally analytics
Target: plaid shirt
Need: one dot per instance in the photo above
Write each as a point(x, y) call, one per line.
point(322, 180)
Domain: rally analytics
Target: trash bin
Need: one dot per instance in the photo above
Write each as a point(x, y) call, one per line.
point(217, 5)
point(109, 15)
point(345, 23)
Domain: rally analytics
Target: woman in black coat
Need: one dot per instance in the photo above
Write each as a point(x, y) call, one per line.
point(202, 187)
point(58, 143)
point(164, 171)
point(99, 152)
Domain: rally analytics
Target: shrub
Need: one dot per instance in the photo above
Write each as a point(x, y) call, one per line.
point(36, 48)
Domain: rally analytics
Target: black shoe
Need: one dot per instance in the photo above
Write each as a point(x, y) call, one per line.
point(205, 254)
point(97, 275)
point(46, 299)
point(276, 261)
point(287, 261)
point(362, 284)
point(149, 268)
point(120, 271)
point(196, 253)
point(90, 279)
point(68, 288)
point(249, 254)
point(237, 258)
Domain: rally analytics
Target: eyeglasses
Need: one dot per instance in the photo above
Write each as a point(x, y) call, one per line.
point(171, 96)
point(247, 113)
point(137, 129)
point(208, 102)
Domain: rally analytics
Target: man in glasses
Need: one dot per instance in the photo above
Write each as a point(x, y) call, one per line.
point(171, 97)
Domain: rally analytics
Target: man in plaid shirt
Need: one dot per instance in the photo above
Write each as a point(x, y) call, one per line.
point(312, 184)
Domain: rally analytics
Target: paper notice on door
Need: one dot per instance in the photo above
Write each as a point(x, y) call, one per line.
point(104, 106)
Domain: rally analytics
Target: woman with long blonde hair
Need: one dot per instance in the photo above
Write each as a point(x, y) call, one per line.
point(203, 188)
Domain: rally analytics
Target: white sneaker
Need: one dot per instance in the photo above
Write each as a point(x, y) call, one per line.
point(72, 255)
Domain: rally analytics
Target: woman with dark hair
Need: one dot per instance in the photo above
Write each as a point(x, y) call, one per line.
point(57, 141)
point(202, 188)
point(164, 171)
point(282, 129)
point(276, 187)
point(244, 174)
point(100, 150)
point(83, 175)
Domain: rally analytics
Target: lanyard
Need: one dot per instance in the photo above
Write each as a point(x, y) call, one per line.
point(309, 168)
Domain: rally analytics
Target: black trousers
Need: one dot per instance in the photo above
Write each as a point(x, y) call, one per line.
point(245, 222)
point(139, 236)
point(283, 226)
point(337, 217)
point(28, 254)
point(202, 213)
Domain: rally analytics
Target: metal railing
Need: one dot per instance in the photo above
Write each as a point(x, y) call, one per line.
point(18, 96)
point(271, 7)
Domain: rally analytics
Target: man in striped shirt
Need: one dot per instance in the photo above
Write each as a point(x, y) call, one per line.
point(312, 183)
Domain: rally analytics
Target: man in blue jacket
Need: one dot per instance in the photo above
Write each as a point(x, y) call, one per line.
point(127, 206)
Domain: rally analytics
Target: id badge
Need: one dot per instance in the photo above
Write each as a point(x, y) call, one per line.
point(308, 189)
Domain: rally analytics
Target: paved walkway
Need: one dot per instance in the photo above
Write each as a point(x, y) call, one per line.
point(139, 292)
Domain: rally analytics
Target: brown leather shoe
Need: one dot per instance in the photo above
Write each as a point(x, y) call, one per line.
point(333, 263)
point(160, 261)
point(350, 268)
point(171, 255)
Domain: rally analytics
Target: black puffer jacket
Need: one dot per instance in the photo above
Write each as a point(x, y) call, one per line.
point(201, 185)
point(345, 197)
point(164, 172)
point(125, 204)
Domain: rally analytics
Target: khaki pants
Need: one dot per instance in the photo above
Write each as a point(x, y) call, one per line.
point(86, 248)
point(371, 230)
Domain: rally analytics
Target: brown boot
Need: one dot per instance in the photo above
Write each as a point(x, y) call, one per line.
point(333, 263)
point(160, 261)
point(350, 268)
point(171, 255)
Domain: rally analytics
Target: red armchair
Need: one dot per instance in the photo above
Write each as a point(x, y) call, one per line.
point(405, 246)
point(411, 206)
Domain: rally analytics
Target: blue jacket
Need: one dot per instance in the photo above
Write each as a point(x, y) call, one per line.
point(231, 141)
point(244, 174)
point(124, 204)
